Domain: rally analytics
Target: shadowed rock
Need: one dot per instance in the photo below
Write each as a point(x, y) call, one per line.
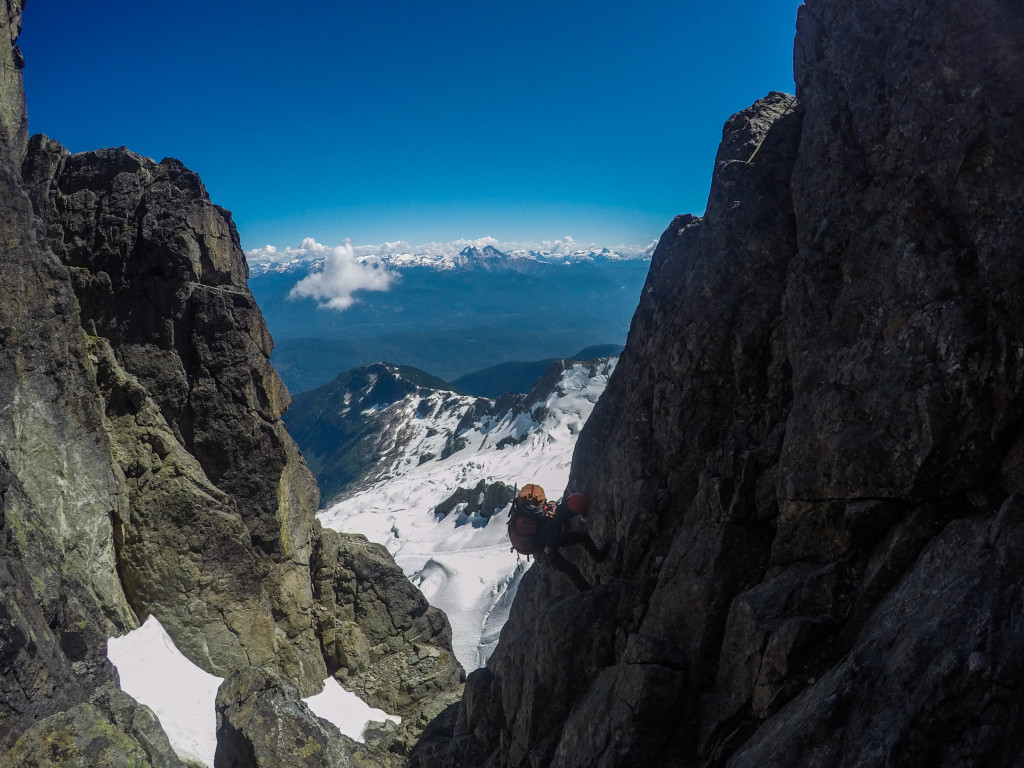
point(808, 460)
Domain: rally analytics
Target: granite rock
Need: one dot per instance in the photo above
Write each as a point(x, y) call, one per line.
point(380, 637)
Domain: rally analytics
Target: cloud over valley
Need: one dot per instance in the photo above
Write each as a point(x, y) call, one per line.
point(341, 275)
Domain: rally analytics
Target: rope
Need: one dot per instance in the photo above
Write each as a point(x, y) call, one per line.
point(792, 103)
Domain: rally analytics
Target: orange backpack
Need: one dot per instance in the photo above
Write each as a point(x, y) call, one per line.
point(526, 519)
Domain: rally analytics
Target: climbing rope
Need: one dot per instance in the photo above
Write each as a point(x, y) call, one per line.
point(786, 111)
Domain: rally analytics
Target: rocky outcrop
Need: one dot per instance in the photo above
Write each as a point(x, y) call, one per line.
point(261, 722)
point(82, 735)
point(215, 533)
point(111, 730)
point(809, 459)
point(381, 638)
point(481, 501)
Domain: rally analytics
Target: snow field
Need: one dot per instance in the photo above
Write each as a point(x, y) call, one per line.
point(464, 564)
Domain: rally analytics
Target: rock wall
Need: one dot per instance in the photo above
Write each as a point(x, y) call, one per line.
point(215, 535)
point(809, 459)
point(59, 594)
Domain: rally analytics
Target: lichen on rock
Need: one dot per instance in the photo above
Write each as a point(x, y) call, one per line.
point(381, 638)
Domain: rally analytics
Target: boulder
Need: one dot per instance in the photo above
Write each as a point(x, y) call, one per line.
point(114, 731)
point(78, 737)
point(262, 722)
point(381, 638)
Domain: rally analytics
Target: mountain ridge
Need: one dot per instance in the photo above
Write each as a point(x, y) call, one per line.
point(355, 430)
point(520, 376)
point(438, 256)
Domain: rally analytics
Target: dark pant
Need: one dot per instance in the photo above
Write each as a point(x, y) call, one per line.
point(560, 564)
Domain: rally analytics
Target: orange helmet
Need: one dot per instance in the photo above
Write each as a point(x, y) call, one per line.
point(532, 491)
point(578, 503)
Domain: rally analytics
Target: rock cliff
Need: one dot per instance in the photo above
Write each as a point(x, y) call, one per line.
point(809, 460)
point(214, 525)
point(144, 466)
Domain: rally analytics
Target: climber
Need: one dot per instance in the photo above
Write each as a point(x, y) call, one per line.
point(539, 527)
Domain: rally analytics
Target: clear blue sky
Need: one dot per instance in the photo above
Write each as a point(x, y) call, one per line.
point(389, 120)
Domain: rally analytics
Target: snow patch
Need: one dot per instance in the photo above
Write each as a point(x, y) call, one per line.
point(154, 672)
point(183, 697)
point(346, 710)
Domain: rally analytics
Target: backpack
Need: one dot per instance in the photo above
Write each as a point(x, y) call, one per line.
point(526, 520)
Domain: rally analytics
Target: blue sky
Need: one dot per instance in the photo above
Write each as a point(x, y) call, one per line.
point(401, 120)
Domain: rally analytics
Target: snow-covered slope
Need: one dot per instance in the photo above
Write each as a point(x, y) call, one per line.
point(462, 561)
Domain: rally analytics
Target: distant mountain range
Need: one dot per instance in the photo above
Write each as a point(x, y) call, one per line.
point(451, 313)
point(441, 256)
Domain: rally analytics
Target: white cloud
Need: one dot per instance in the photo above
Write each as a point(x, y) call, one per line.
point(268, 254)
point(342, 274)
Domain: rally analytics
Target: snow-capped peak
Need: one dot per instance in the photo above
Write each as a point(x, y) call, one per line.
point(309, 255)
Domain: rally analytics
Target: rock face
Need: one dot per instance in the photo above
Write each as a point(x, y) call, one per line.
point(809, 460)
point(144, 466)
point(381, 638)
point(59, 593)
point(261, 722)
point(215, 534)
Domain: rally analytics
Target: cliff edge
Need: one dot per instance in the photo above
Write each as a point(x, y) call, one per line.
point(809, 459)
